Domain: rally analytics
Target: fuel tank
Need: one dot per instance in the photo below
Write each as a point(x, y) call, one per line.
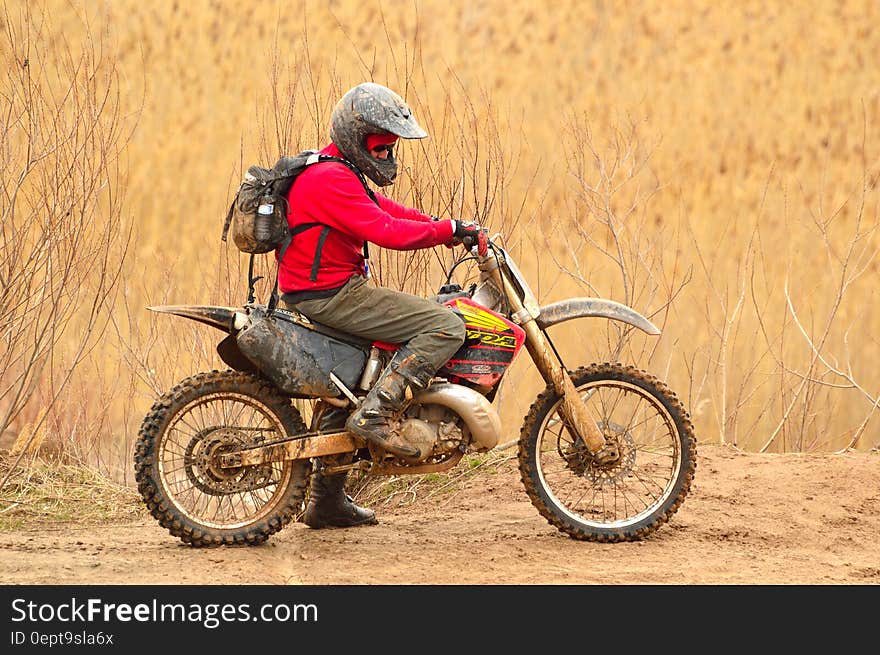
point(490, 346)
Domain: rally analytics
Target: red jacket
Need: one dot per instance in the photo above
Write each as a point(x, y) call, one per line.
point(331, 194)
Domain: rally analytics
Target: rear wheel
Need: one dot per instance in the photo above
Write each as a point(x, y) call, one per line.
point(630, 497)
point(177, 460)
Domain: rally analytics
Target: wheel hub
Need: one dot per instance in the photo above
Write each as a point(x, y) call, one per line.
point(202, 462)
point(579, 459)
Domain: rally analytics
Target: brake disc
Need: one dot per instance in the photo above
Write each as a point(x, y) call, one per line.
point(579, 460)
point(202, 462)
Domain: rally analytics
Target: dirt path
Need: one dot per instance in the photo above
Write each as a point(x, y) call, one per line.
point(750, 519)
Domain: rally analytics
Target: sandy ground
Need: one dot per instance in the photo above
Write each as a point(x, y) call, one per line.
point(749, 519)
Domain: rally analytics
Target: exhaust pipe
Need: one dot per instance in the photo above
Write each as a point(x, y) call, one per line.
point(479, 415)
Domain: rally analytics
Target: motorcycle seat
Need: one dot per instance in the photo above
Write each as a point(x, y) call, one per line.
point(326, 330)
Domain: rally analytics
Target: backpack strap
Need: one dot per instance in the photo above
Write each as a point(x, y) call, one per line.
point(273, 298)
point(354, 169)
point(292, 232)
point(317, 261)
point(316, 158)
point(228, 220)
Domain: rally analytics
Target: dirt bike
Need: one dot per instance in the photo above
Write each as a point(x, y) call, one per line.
point(606, 452)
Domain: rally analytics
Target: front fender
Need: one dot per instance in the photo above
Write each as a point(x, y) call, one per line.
point(218, 317)
point(566, 310)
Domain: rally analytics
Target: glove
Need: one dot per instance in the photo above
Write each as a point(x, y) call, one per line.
point(466, 232)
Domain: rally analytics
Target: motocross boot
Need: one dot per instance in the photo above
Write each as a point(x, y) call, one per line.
point(329, 506)
point(405, 375)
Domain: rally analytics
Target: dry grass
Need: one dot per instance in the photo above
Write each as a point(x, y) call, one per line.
point(48, 493)
point(755, 127)
point(401, 491)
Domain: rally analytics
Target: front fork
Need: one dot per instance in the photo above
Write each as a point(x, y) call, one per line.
point(575, 414)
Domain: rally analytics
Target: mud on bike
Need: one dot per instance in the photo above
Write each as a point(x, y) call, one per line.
point(606, 452)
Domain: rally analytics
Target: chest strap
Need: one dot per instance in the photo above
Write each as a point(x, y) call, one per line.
point(316, 262)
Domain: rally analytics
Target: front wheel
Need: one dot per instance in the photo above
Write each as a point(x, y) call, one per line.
point(178, 452)
point(624, 500)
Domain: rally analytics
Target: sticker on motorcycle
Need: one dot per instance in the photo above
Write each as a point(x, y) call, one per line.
point(491, 343)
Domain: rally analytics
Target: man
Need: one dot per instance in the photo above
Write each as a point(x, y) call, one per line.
point(325, 275)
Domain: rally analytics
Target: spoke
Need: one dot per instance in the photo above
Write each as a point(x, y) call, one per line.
point(198, 416)
point(660, 427)
point(565, 434)
point(592, 487)
point(185, 419)
point(245, 502)
point(619, 396)
point(213, 508)
point(176, 429)
point(255, 498)
point(177, 469)
point(628, 424)
point(174, 449)
point(558, 466)
point(605, 511)
point(231, 501)
point(651, 480)
point(224, 414)
point(197, 497)
point(604, 414)
point(653, 451)
point(235, 418)
point(626, 497)
point(633, 427)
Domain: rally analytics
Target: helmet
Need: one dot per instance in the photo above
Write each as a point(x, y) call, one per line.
point(371, 108)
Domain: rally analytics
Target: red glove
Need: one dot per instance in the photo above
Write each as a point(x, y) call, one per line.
point(466, 232)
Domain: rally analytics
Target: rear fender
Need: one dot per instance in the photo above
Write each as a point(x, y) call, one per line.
point(218, 317)
point(222, 318)
point(571, 308)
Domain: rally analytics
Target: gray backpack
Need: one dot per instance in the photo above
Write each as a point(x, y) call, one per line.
point(258, 213)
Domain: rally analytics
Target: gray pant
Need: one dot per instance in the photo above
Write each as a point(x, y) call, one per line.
point(428, 328)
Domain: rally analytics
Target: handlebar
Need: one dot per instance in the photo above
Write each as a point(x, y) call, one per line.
point(481, 242)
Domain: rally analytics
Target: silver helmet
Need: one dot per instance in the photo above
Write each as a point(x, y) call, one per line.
point(371, 108)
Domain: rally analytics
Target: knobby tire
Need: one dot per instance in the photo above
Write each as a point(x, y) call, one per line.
point(286, 503)
point(647, 388)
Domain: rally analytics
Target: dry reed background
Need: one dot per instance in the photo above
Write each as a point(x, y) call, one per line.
point(714, 165)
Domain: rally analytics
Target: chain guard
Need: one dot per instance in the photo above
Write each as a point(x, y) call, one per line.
point(386, 464)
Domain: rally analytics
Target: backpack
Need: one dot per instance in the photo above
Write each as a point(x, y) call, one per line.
point(258, 213)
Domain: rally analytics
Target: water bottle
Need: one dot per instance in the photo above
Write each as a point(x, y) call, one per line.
point(263, 220)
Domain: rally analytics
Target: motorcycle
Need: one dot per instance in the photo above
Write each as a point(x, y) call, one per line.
point(606, 452)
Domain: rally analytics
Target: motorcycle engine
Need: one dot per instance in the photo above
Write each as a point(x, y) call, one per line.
point(433, 429)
